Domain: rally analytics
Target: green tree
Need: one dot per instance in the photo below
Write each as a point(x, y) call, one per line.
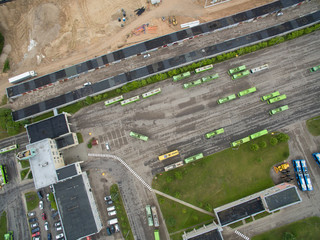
point(88, 100)
point(288, 236)
point(273, 141)
point(262, 144)
point(282, 137)
point(254, 147)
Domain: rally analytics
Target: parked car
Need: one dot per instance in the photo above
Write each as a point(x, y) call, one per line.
point(107, 198)
point(112, 213)
point(35, 230)
point(33, 225)
point(59, 229)
point(109, 202)
point(87, 84)
point(44, 216)
point(36, 234)
point(107, 146)
point(40, 195)
point(41, 205)
point(49, 236)
point(31, 220)
point(59, 236)
point(36, 238)
point(113, 230)
point(47, 196)
point(31, 214)
point(109, 231)
point(46, 226)
point(57, 224)
point(112, 208)
point(146, 56)
point(116, 226)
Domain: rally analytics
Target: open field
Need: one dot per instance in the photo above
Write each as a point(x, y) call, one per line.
point(32, 200)
point(313, 125)
point(179, 217)
point(228, 175)
point(308, 228)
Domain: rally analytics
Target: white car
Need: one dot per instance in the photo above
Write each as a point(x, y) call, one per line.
point(59, 236)
point(46, 226)
point(31, 214)
point(59, 229)
point(41, 205)
point(57, 224)
point(107, 146)
point(112, 213)
point(146, 56)
point(87, 84)
point(48, 195)
point(33, 225)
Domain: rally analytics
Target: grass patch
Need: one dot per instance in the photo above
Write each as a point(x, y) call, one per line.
point(4, 100)
point(1, 42)
point(6, 66)
point(24, 173)
point(313, 126)
point(80, 138)
point(308, 228)
point(42, 117)
point(176, 236)
point(261, 215)
point(30, 176)
point(32, 200)
point(121, 212)
point(180, 217)
point(24, 163)
point(228, 175)
point(3, 224)
point(249, 219)
point(236, 224)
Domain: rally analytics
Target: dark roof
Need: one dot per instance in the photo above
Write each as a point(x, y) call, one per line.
point(50, 128)
point(74, 207)
point(282, 199)
point(65, 141)
point(66, 172)
point(212, 235)
point(135, 74)
point(240, 211)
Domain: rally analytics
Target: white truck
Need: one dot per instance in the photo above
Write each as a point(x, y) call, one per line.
point(23, 76)
point(112, 221)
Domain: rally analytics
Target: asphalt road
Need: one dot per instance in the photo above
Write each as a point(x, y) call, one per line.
point(178, 118)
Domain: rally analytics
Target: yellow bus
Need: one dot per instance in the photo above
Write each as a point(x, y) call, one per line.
point(168, 155)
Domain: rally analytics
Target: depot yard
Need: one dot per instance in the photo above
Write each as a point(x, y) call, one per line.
point(308, 228)
point(219, 179)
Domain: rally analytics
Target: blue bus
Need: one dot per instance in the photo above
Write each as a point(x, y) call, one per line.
point(306, 174)
point(300, 179)
point(316, 157)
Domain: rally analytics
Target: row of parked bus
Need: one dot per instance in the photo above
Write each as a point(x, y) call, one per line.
point(153, 220)
point(302, 175)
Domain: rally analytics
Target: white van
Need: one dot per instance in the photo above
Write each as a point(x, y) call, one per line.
point(112, 213)
point(111, 208)
point(113, 221)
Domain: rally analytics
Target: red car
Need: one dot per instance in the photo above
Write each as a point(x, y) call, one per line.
point(36, 234)
point(44, 216)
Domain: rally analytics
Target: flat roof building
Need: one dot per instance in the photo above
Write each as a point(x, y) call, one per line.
point(207, 232)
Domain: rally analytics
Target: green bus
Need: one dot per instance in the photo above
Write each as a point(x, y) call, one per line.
point(240, 141)
point(113, 100)
point(214, 133)
point(130, 100)
point(193, 158)
point(149, 215)
point(203, 69)
point(316, 68)
point(197, 82)
point(271, 95)
point(227, 99)
point(277, 99)
point(181, 76)
point(188, 85)
point(259, 134)
point(210, 77)
point(236, 70)
point(156, 235)
point(151, 93)
point(3, 175)
point(279, 109)
point(9, 148)
point(247, 91)
point(139, 136)
point(240, 74)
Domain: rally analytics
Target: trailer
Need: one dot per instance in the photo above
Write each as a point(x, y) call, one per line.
point(22, 77)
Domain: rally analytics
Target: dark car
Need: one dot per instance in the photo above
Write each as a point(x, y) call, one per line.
point(49, 236)
point(109, 231)
point(35, 230)
point(109, 202)
point(32, 220)
point(40, 195)
point(113, 229)
point(44, 216)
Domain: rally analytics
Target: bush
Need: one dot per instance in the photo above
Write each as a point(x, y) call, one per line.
point(1, 43)
point(254, 147)
point(262, 144)
point(89, 145)
point(6, 66)
point(283, 137)
point(273, 141)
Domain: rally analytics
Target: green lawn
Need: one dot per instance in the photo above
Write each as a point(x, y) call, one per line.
point(227, 175)
point(23, 173)
point(121, 212)
point(313, 126)
point(32, 200)
point(24, 163)
point(261, 215)
point(236, 224)
point(3, 225)
point(180, 217)
point(308, 229)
